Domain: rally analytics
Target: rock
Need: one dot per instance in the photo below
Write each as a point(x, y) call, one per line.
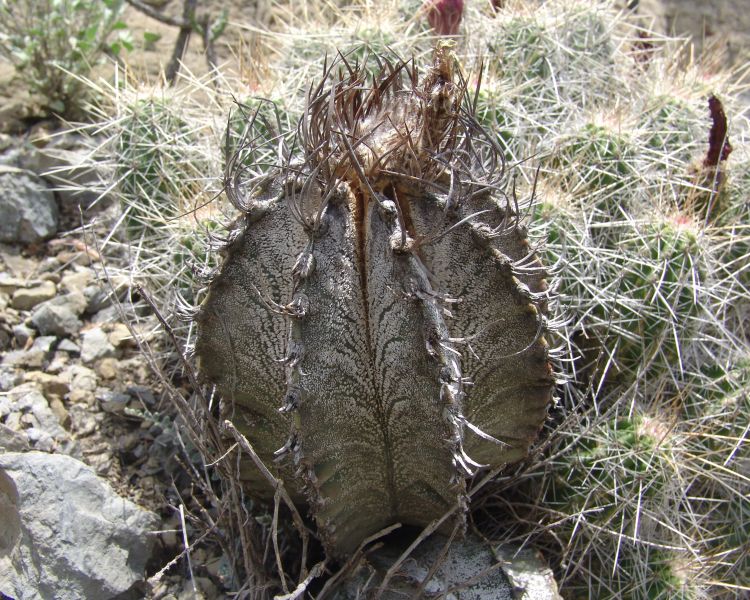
point(107, 368)
point(44, 344)
point(97, 298)
point(482, 572)
point(95, 345)
point(52, 385)
point(36, 411)
point(120, 336)
point(77, 279)
point(22, 358)
point(9, 377)
point(111, 314)
point(65, 533)
point(76, 301)
point(18, 152)
point(5, 336)
point(57, 407)
point(28, 207)
point(8, 284)
point(12, 441)
point(22, 334)
point(80, 377)
point(113, 402)
point(83, 422)
point(18, 265)
point(59, 361)
point(34, 357)
point(55, 318)
point(69, 347)
point(143, 395)
point(53, 277)
point(28, 298)
point(40, 439)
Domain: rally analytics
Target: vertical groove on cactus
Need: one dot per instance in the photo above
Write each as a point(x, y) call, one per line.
point(381, 294)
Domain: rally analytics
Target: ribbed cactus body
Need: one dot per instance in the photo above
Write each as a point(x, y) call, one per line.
point(379, 316)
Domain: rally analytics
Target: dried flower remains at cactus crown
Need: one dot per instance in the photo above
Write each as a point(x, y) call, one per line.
point(379, 320)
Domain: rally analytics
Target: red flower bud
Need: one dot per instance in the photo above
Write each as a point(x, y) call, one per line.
point(444, 15)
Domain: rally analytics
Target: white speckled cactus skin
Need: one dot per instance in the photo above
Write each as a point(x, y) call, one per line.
point(388, 269)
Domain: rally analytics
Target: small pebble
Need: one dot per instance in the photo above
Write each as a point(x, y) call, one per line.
point(79, 396)
point(28, 298)
point(66, 345)
point(95, 345)
point(61, 412)
point(113, 402)
point(142, 394)
point(22, 333)
point(58, 363)
point(120, 336)
point(106, 368)
point(52, 385)
point(77, 280)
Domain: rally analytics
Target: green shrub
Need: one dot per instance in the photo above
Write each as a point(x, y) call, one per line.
point(54, 44)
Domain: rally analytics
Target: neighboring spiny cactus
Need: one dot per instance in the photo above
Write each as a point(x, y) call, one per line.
point(160, 158)
point(388, 270)
point(654, 287)
point(153, 176)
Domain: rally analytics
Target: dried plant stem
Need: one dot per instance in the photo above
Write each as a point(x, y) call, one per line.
point(186, 28)
point(438, 562)
point(279, 488)
point(354, 560)
point(317, 570)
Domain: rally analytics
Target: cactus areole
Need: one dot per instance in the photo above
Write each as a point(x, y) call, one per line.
point(377, 328)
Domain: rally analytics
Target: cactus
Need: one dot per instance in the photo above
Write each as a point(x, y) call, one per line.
point(594, 158)
point(638, 487)
point(160, 158)
point(253, 133)
point(150, 172)
point(385, 225)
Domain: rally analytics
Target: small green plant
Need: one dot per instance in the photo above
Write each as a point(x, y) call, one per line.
point(594, 158)
point(54, 44)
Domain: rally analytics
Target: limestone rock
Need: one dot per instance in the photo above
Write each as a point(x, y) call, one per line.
point(56, 317)
point(28, 207)
point(64, 533)
point(95, 345)
point(12, 440)
point(471, 568)
point(40, 424)
point(28, 298)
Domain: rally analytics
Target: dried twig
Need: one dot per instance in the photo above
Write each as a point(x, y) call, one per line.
point(156, 15)
point(186, 28)
point(354, 560)
point(316, 571)
point(278, 485)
